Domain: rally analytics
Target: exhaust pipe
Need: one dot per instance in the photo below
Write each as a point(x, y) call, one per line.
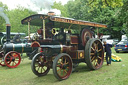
point(8, 25)
point(8, 28)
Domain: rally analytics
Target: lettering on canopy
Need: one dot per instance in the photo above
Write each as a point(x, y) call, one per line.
point(80, 22)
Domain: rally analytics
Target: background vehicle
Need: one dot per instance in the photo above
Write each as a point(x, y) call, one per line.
point(12, 47)
point(122, 46)
point(12, 37)
point(62, 48)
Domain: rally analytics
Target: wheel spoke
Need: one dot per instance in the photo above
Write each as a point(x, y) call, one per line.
point(65, 61)
point(91, 53)
point(100, 57)
point(60, 61)
point(92, 48)
point(94, 63)
point(99, 50)
point(38, 68)
point(43, 69)
point(59, 70)
point(97, 64)
point(65, 71)
point(58, 65)
point(95, 46)
point(12, 63)
point(93, 58)
point(9, 56)
point(15, 62)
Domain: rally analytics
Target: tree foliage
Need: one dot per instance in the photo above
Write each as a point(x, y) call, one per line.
point(2, 21)
point(103, 11)
point(112, 3)
point(15, 16)
point(59, 6)
point(122, 15)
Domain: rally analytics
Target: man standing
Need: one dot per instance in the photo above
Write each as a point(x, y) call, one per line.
point(108, 52)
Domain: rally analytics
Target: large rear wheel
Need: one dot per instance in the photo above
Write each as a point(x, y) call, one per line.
point(62, 66)
point(39, 65)
point(94, 54)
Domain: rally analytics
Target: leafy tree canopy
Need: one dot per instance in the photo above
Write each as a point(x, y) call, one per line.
point(2, 21)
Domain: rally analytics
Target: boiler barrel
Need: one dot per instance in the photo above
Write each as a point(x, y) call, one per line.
point(21, 47)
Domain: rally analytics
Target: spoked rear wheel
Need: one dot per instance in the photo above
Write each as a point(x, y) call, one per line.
point(39, 65)
point(12, 59)
point(94, 54)
point(2, 58)
point(62, 66)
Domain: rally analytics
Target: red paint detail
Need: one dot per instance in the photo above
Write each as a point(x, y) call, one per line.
point(35, 44)
point(114, 45)
point(126, 46)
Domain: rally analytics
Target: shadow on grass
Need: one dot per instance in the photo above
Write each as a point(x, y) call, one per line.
point(21, 65)
point(49, 78)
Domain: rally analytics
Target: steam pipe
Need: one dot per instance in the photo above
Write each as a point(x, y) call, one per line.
point(8, 28)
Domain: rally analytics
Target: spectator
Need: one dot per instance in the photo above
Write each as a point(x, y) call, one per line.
point(107, 48)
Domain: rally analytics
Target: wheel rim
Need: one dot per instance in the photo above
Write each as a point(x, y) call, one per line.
point(63, 67)
point(12, 59)
point(95, 54)
point(40, 65)
point(2, 59)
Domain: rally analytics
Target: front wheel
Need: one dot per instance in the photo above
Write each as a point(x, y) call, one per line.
point(39, 65)
point(62, 66)
point(12, 59)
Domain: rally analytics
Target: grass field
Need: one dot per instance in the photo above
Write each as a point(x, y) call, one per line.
point(115, 74)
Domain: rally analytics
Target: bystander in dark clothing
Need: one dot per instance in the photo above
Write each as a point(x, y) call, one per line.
point(107, 48)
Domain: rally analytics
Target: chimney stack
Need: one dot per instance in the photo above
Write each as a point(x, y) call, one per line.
point(51, 13)
point(8, 28)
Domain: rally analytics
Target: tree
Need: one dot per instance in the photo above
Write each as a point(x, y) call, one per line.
point(16, 15)
point(122, 15)
point(112, 3)
point(79, 9)
point(60, 7)
point(2, 21)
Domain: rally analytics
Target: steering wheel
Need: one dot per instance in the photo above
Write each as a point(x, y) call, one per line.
point(3, 40)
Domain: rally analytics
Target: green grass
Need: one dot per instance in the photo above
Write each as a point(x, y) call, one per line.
point(115, 74)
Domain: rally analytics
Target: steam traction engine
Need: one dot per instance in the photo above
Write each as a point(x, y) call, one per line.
point(63, 49)
point(10, 52)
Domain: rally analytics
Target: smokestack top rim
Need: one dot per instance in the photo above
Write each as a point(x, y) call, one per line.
point(8, 24)
point(51, 13)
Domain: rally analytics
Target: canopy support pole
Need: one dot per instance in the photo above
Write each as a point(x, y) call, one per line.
point(98, 33)
point(43, 29)
point(29, 30)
